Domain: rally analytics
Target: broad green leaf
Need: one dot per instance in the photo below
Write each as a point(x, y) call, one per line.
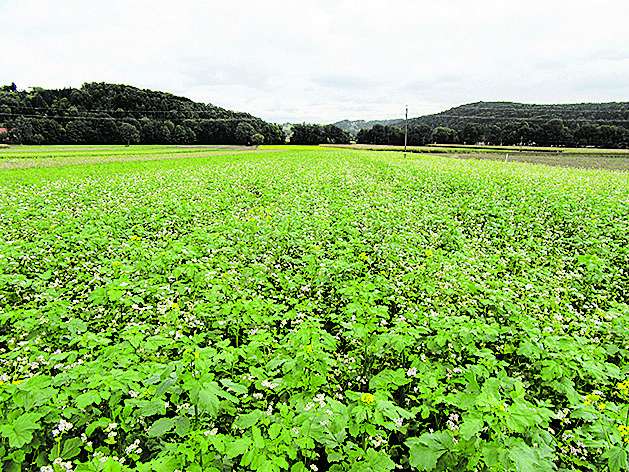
point(237, 447)
point(151, 407)
point(161, 427)
point(471, 426)
point(617, 459)
point(389, 380)
point(20, 431)
point(182, 425)
point(247, 420)
point(88, 398)
point(71, 448)
point(274, 430)
point(426, 450)
point(374, 461)
point(529, 459)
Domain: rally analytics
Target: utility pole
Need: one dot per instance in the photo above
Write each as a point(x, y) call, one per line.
point(405, 130)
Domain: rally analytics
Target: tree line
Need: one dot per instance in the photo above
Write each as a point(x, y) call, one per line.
point(99, 113)
point(554, 132)
point(318, 134)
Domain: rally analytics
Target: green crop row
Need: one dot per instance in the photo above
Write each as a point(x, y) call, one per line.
point(314, 310)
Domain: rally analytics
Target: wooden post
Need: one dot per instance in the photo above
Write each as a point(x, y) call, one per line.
point(405, 130)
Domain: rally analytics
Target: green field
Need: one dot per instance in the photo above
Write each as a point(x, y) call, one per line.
point(309, 309)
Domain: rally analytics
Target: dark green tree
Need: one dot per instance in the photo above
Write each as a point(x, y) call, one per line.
point(244, 133)
point(444, 135)
point(257, 139)
point(129, 134)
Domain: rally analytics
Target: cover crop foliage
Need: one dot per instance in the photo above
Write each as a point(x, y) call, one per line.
point(313, 310)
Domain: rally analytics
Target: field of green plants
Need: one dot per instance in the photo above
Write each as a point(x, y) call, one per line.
point(54, 156)
point(309, 310)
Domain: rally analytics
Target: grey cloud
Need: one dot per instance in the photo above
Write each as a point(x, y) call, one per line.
point(325, 61)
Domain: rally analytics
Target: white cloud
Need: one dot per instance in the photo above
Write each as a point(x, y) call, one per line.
point(327, 59)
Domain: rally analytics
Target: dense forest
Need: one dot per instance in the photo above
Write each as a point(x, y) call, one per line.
point(318, 134)
point(600, 125)
point(100, 113)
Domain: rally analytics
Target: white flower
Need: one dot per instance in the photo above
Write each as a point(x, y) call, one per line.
point(398, 422)
point(268, 384)
point(320, 399)
point(67, 466)
point(62, 427)
point(211, 432)
point(377, 441)
point(453, 421)
point(314, 468)
point(134, 448)
point(412, 372)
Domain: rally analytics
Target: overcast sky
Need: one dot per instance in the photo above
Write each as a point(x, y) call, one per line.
point(325, 60)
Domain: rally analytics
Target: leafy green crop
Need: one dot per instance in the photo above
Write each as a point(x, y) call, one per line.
point(313, 310)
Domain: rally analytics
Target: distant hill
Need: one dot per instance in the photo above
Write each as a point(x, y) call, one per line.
point(496, 113)
point(490, 113)
point(102, 113)
point(507, 123)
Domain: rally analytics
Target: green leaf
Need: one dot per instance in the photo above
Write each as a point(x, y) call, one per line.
point(151, 407)
point(617, 459)
point(471, 426)
point(165, 463)
point(111, 465)
point(247, 420)
point(208, 402)
point(375, 460)
point(531, 459)
point(389, 380)
point(258, 440)
point(88, 398)
point(99, 296)
point(237, 447)
point(20, 431)
point(426, 450)
point(236, 387)
point(274, 430)
point(182, 425)
point(71, 448)
point(520, 417)
point(161, 427)
point(207, 397)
